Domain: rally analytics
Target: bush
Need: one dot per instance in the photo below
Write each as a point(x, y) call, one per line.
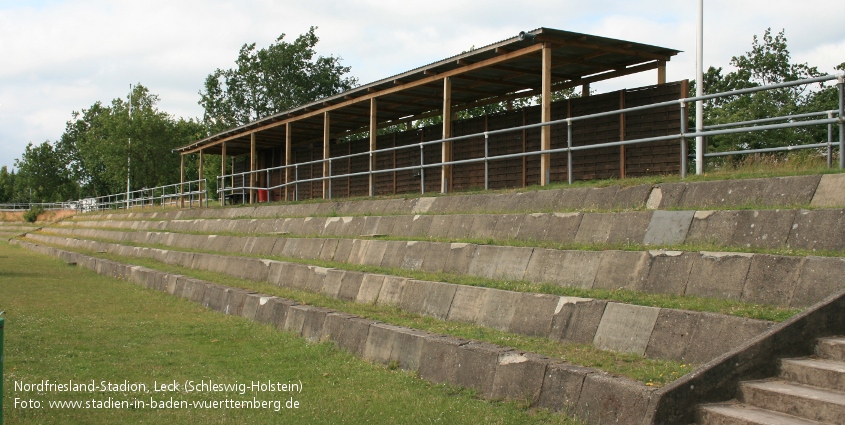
point(33, 214)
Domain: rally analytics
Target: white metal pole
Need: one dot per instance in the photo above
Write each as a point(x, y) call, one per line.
point(129, 151)
point(699, 90)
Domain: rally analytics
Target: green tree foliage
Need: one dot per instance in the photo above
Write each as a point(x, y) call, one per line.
point(41, 176)
point(271, 80)
point(7, 185)
point(768, 62)
point(95, 146)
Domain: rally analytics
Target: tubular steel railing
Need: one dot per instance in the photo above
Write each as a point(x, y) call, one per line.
point(177, 194)
point(802, 120)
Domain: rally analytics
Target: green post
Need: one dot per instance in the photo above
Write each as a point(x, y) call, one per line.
point(2, 322)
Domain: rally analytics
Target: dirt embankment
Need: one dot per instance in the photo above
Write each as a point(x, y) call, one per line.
point(47, 216)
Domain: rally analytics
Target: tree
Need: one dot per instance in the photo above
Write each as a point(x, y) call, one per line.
point(768, 62)
point(41, 176)
point(271, 80)
point(7, 185)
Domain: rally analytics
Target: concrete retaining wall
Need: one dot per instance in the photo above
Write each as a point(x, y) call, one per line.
point(755, 278)
point(822, 229)
point(646, 331)
point(494, 372)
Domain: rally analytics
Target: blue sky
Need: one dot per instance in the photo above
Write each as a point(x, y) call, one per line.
point(60, 56)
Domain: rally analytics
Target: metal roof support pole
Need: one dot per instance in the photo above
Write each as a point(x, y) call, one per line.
point(252, 160)
point(199, 178)
point(373, 139)
point(287, 157)
point(222, 173)
point(446, 174)
point(181, 180)
point(326, 170)
point(546, 115)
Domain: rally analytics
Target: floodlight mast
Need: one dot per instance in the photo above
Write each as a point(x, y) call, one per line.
point(129, 151)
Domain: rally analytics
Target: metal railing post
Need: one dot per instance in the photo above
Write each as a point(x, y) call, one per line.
point(486, 162)
point(330, 179)
point(841, 86)
point(684, 159)
point(830, 141)
point(372, 180)
point(422, 169)
point(296, 182)
point(569, 150)
point(2, 360)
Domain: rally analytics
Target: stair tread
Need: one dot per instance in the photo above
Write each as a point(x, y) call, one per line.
point(799, 390)
point(834, 339)
point(825, 364)
point(756, 415)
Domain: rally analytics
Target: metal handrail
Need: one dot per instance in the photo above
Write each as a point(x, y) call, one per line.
point(731, 128)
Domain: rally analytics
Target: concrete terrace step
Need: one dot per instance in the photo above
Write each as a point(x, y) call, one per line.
point(493, 371)
point(817, 372)
point(688, 336)
point(741, 414)
point(831, 348)
point(754, 278)
point(809, 402)
point(818, 191)
point(797, 229)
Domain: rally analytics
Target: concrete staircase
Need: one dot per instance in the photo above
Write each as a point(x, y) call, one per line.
point(807, 391)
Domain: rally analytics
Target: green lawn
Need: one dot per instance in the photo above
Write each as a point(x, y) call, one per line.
point(66, 323)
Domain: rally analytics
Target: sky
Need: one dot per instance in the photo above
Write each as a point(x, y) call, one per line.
point(60, 56)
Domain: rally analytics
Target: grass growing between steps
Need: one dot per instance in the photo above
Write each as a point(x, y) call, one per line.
point(694, 303)
point(67, 323)
point(652, 372)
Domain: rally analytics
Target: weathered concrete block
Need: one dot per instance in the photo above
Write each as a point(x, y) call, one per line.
point(500, 262)
point(435, 256)
point(772, 279)
point(402, 226)
point(606, 399)
point(579, 269)
point(350, 333)
point(668, 227)
point(214, 298)
point(391, 290)
point(571, 199)
point(483, 226)
point(563, 227)
point(394, 254)
point(717, 334)
point(519, 376)
point(370, 287)
point(562, 387)
point(672, 334)
point(420, 225)
point(820, 277)
point(534, 227)
point(669, 272)
point(622, 269)
point(438, 299)
point(461, 226)
point(344, 248)
point(507, 226)
point(439, 359)
point(315, 278)
point(712, 227)
point(252, 302)
point(719, 275)
point(666, 195)
point(332, 282)
point(818, 229)
point(629, 227)
point(830, 191)
point(327, 252)
point(386, 343)
point(414, 255)
point(374, 252)
point(498, 309)
point(476, 366)
point(594, 228)
point(764, 228)
point(350, 285)
point(440, 225)
point(600, 198)
point(626, 328)
point(235, 301)
point(792, 190)
point(632, 197)
point(467, 303)
point(534, 314)
point(460, 258)
point(307, 321)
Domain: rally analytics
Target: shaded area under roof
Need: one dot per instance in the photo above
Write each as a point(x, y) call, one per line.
point(509, 69)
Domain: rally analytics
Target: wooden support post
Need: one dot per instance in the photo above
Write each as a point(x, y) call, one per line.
point(326, 155)
point(585, 90)
point(622, 134)
point(252, 160)
point(199, 175)
point(182, 180)
point(661, 73)
point(222, 195)
point(373, 139)
point(546, 115)
point(287, 159)
point(446, 170)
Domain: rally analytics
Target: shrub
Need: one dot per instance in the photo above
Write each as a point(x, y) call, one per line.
point(33, 214)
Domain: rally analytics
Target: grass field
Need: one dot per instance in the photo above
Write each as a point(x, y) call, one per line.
point(66, 323)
